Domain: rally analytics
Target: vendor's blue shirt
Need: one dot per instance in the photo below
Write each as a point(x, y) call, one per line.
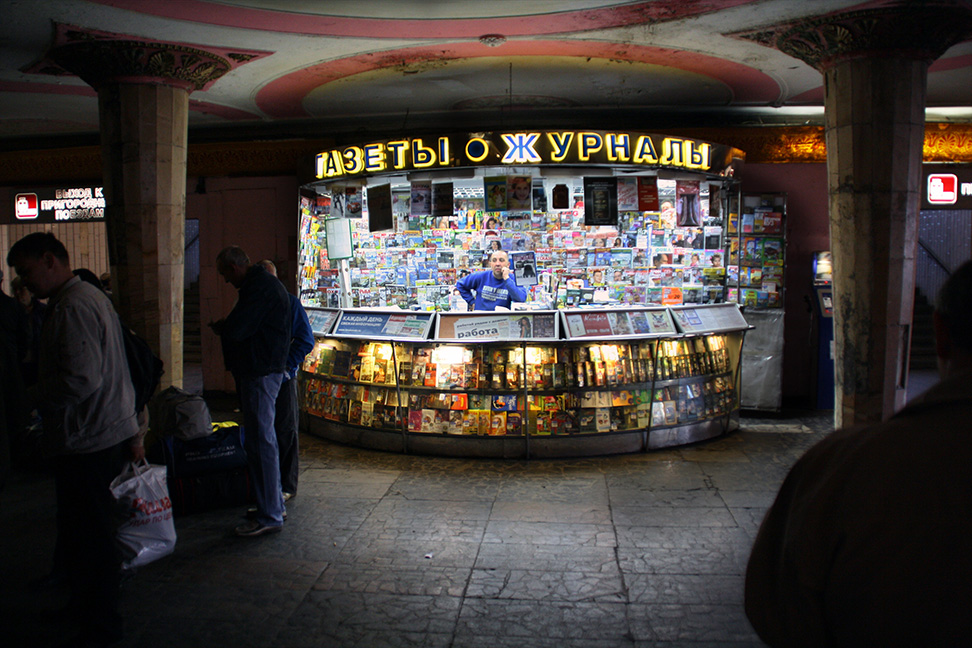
point(490, 291)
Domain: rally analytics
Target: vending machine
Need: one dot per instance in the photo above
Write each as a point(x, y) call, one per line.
point(823, 286)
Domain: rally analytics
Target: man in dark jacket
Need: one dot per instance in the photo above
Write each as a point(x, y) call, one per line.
point(256, 339)
point(14, 344)
point(868, 541)
point(288, 405)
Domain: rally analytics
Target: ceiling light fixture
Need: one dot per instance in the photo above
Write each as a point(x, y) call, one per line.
point(492, 40)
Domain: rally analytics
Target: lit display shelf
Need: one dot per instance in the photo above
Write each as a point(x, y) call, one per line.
point(524, 384)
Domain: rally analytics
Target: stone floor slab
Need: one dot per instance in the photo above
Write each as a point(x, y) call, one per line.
point(682, 550)
point(429, 580)
point(547, 557)
point(534, 585)
point(527, 619)
point(502, 641)
point(713, 623)
point(346, 618)
point(574, 535)
point(685, 589)
point(580, 511)
point(673, 516)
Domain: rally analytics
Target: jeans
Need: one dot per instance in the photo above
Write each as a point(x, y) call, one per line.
point(258, 395)
point(286, 426)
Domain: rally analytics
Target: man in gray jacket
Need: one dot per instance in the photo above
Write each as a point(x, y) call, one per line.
point(85, 397)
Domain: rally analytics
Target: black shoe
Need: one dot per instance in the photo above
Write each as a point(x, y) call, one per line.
point(253, 529)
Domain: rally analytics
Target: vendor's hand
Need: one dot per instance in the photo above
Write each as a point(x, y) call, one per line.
point(506, 274)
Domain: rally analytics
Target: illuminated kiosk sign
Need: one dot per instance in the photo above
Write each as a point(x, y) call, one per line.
point(533, 148)
point(57, 205)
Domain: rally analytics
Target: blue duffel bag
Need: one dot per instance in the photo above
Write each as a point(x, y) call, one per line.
point(222, 450)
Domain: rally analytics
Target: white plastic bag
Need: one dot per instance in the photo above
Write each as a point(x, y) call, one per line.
point(148, 532)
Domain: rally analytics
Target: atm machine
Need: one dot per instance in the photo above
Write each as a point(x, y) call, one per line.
point(823, 288)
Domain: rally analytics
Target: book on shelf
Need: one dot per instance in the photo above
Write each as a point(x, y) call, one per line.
point(442, 419)
point(342, 364)
point(772, 222)
point(470, 422)
point(366, 368)
point(430, 375)
point(772, 252)
point(747, 222)
point(514, 423)
point(497, 423)
point(602, 419)
point(587, 420)
point(354, 413)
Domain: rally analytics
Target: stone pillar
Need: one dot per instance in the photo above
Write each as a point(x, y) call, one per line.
point(875, 65)
point(143, 141)
point(875, 127)
point(143, 98)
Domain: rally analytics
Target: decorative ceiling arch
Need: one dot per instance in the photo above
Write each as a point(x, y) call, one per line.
point(483, 20)
point(283, 97)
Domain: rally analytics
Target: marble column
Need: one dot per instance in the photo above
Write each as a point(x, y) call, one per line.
point(875, 64)
point(143, 98)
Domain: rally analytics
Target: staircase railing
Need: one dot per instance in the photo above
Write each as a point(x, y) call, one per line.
point(931, 271)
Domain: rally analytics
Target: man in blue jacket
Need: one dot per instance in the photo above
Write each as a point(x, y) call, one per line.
point(256, 340)
point(493, 287)
point(288, 407)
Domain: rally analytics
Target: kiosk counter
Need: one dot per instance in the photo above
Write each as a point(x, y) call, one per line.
point(523, 383)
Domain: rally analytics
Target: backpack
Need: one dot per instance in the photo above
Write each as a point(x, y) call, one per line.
point(177, 413)
point(145, 367)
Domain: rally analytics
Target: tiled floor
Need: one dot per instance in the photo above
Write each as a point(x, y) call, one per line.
point(391, 550)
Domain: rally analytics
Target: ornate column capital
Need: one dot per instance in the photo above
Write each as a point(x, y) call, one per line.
point(104, 57)
point(920, 31)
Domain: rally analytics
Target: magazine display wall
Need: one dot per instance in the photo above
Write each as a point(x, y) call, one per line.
point(663, 242)
point(757, 245)
point(525, 383)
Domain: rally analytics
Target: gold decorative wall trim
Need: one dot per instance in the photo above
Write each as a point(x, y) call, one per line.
point(948, 143)
point(805, 144)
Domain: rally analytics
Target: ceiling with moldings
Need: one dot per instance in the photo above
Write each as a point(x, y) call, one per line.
point(353, 66)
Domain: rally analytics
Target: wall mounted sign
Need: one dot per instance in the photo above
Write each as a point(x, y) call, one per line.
point(533, 148)
point(56, 205)
point(947, 188)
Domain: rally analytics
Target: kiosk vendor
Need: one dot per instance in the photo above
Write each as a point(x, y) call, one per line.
point(493, 287)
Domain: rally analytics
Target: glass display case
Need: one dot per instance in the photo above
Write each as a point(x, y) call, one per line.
point(525, 384)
